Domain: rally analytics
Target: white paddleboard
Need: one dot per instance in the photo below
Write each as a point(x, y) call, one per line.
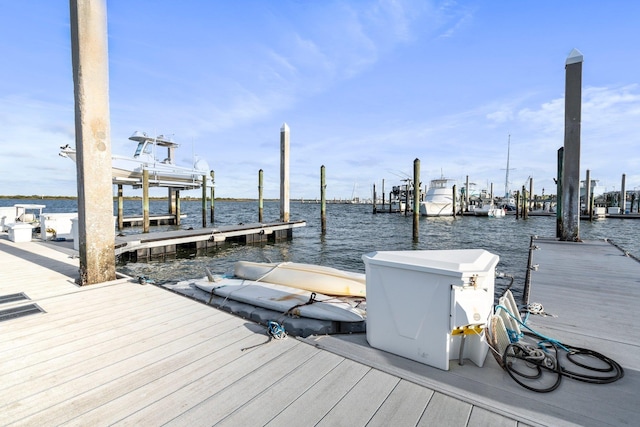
point(283, 299)
point(314, 278)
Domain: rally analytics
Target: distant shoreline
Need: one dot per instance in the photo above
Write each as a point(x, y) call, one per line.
point(199, 199)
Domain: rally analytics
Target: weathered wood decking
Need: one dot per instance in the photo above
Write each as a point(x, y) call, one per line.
point(135, 354)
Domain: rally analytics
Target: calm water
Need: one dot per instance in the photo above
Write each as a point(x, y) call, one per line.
point(352, 230)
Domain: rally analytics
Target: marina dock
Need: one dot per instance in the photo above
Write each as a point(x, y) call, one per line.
point(158, 245)
point(130, 354)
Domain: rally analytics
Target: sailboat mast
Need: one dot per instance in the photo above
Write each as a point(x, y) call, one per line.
point(506, 179)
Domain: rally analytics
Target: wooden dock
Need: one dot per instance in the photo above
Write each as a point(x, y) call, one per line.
point(159, 245)
point(129, 354)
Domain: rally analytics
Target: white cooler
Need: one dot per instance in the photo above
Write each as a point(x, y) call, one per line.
point(423, 304)
point(20, 232)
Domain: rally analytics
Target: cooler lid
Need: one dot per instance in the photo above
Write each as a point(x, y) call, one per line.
point(442, 261)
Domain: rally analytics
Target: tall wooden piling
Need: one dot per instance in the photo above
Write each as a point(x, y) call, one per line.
point(145, 201)
point(559, 174)
point(570, 227)
point(383, 195)
point(531, 198)
point(204, 201)
point(466, 195)
point(455, 208)
point(284, 172)
point(120, 207)
point(375, 206)
point(260, 198)
point(587, 195)
point(323, 200)
point(90, 65)
point(177, 209)
point(623, 194)
point(416, 199)
point(213, 196)
point(525, 203)
point(171, 201)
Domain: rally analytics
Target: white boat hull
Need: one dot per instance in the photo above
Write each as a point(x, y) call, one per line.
point(283, 299)
point(314, 278)
point(489, 212)
point(436, 209)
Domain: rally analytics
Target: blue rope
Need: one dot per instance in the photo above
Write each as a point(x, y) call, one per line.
point(276, 330)
point(544, 338)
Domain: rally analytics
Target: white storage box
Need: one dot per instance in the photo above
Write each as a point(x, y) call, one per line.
point(420, 303)
point(20, 232)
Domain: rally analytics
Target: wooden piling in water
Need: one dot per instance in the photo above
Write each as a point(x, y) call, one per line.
point(260, 199)
point(587, 195)
point(375, 206)
point(120, 208)
point(623, 195)
point(525, 203)
point(466, 195)
point(416, 199)
point(213, 196)
point(204, 201)
point(177, 209)
point(323, 200)
point(559, 191)
point(145, 201)
point(284, 172)
point(454, 200)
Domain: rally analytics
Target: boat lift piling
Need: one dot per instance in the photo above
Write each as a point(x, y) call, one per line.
point(623, 195)
point(90, 69)
point(587, 196)
point(145, 201)
point(416, 199)
point(375, 205)
point(260, 199)
point(466, 195)
point(284, 172)
point(120, 208)
point(323, 200)
point(454, 200)
point(213, 197)
point(204, 201)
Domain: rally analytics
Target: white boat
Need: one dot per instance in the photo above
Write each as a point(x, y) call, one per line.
point(127, 170)
point(438, 200)
point(489, 210)
point(314, 278)
point(284, 299)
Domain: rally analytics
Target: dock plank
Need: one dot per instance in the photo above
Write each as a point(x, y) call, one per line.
point(260, 409)
point(154, 382)
point(215, 406)
point(403, 407)
point(207, 383)
point(99, 350)
point(445, 410)
point(367, 395)
point(314, 403)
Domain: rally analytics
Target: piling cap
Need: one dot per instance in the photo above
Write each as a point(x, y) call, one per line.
point(574, 57)
point(284, 128)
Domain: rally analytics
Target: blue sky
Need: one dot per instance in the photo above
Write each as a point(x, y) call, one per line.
point(365, 86)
